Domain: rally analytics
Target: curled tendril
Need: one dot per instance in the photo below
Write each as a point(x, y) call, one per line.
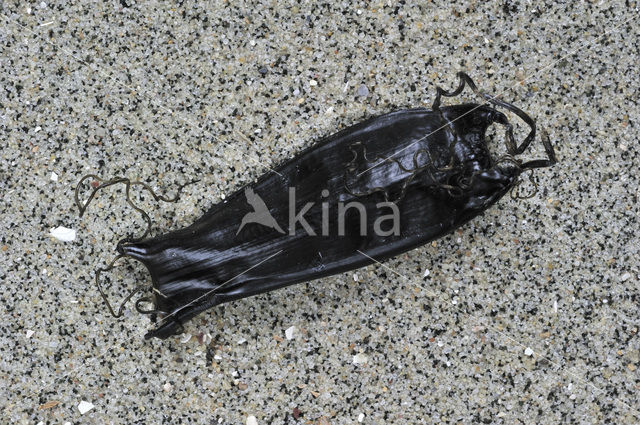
point(458, 183)
point(130, 295)
point(148, 300)
point(428, 166)
point(509, 159)
point(82, 207)
point(515, 190)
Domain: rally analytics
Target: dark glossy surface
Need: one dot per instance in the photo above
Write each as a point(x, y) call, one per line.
point(210, 262)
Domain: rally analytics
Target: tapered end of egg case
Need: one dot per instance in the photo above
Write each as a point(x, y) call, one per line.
point(165, 330)
point(170, 323)
point(175, 301)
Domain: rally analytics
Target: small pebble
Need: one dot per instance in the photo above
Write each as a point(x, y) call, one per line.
point(63, 234)
point(251, 420)
point(528, 351)
point(625, 276)
point(54, 177)
point(355, 277)
point(29, 333)
point(241, 341)
point(363, 91)
point(360, 417)
point(313, 83)
point(167, 387)
point(426, 273)
point(84, 407)
point(185, 338)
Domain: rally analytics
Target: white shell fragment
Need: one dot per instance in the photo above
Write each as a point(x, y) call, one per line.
point(290, 332)
point(54, 177)
point(528, 351)
point(251, 420)
point(84, 407)
point(29, 333)
point(63, 234)
point(360, 358)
